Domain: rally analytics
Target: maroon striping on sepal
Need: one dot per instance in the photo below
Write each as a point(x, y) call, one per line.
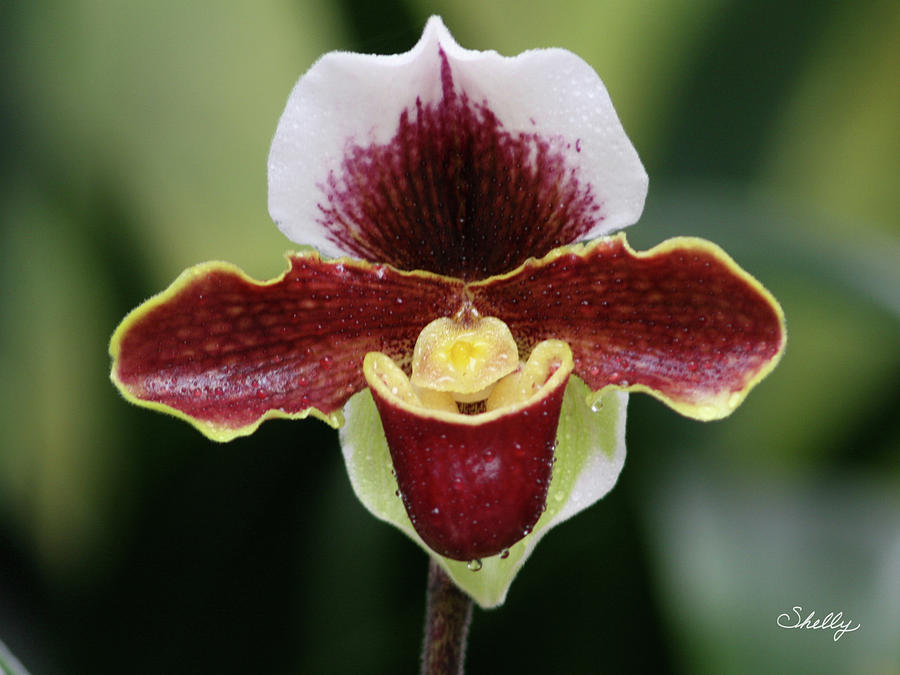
point(472, 491)
point(224, 350)
point(455, 193)
point(681, 321)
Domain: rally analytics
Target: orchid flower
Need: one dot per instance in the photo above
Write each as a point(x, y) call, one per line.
point(476, 357)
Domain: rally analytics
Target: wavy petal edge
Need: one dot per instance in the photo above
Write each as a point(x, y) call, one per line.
point(710, 408)
point(726, 404)
point(217, 433)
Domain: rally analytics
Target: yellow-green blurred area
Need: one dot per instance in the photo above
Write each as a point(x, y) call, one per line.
point(134, 143)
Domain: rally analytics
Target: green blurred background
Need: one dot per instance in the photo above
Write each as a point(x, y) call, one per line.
point(134, 143)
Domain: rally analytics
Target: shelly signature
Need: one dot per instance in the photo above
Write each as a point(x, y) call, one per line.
point(830, 621)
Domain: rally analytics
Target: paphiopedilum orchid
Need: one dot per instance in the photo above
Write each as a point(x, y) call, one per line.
point(476, 356)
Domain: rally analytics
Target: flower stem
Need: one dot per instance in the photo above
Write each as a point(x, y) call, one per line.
point(448, 613)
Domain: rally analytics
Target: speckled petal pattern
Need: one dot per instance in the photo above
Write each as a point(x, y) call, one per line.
point(682, 321)
point(226, 352)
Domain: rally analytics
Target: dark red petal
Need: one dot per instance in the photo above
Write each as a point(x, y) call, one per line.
point(681, 321)
point(225, 351)
point(473, 489)
point(455, 193)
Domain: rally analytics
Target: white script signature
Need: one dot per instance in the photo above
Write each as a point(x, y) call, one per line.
point(830, 621)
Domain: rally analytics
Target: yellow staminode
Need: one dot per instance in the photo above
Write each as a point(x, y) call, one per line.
point(463, 358)
point(548, 367)
point(545, 359)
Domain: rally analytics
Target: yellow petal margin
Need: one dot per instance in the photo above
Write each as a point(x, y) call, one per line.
point(681, 322)
point(212, 430)
point(226, 352)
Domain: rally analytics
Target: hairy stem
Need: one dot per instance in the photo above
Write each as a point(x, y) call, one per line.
point(448, 613)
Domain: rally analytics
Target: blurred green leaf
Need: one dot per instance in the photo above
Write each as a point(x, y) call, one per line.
point(9, 664)
point(59, 447)
point(735, 551)
point(173, 105)
point(838, 138)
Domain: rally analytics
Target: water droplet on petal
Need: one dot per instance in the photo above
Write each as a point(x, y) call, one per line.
point(597, 406)
point(474, 565)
